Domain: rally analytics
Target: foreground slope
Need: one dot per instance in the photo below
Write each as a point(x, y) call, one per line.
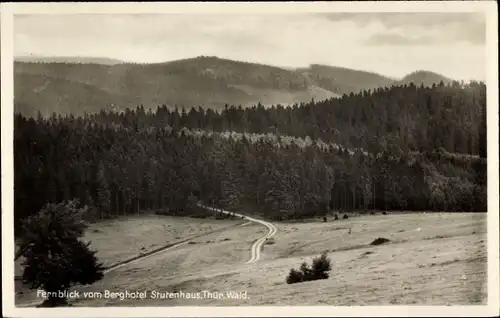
point(431, 259)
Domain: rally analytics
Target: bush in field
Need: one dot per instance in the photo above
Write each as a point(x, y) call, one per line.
point(270, 241)
point(306, 272)
point(379, 241)
point(54, 257)
point(319, 270)
point(321, 266)
point(294, 276)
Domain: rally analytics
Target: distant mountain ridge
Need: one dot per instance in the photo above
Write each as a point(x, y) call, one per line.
point(344, 80)
point(68, 59)
point(76, 85)
point(425, 78)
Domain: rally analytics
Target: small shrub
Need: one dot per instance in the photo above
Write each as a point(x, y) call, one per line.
point(306, 272)
point(270, 241)
point(385, 213)
point(345, 216)
point(372, 213)
point(325, 219)
point(336, 216)
point(319, 270)
point(321, 266)
point(379, 241)
point(294, 276)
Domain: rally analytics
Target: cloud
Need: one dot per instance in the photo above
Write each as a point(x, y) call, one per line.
point(381, 43)
point(440, 27)
point(398, 39)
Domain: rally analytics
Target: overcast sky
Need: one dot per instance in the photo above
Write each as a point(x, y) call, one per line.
point(392, 44)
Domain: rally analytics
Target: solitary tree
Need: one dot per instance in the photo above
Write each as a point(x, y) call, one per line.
point(54, 257)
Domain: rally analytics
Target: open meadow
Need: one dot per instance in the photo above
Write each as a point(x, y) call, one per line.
point(430, 259)
point(120, 239)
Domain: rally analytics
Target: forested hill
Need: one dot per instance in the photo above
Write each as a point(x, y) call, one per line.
point(125, 162)
point(344, 80)
point(207, 81)
point(78, 85)
point(423, 77)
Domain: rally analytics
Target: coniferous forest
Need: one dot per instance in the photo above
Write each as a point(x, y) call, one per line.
point(397, 148)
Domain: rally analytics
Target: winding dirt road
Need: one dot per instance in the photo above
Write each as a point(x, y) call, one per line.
point(254, 251)
point(257, 245)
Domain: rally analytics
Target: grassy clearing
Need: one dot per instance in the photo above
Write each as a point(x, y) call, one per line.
point(119, 240)
point(122, 238)
point(210, 255)
point(443, 263)
point(431, 259)
point(292, 240)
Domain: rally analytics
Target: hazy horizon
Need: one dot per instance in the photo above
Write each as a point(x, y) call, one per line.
point(17, 58)
point(390, 44)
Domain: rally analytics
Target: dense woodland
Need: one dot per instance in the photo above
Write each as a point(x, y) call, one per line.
point(403, 118)
point(410, 148)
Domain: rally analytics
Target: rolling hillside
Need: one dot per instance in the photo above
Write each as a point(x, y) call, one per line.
point(343, 80)
point(78, 85)
point(61, 96)
point(207, 81)
point(424, 77)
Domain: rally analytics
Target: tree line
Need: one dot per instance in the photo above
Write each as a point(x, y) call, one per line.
point(400, 119)
point(124, 163)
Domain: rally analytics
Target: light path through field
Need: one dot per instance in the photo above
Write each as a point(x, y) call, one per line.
point(257, 245)
point(255, 249)
point(135, 260)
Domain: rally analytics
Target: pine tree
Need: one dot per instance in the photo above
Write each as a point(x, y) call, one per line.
point(104, 193)
point(54, 257)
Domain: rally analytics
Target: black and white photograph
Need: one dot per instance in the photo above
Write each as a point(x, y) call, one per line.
point(241, 156)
